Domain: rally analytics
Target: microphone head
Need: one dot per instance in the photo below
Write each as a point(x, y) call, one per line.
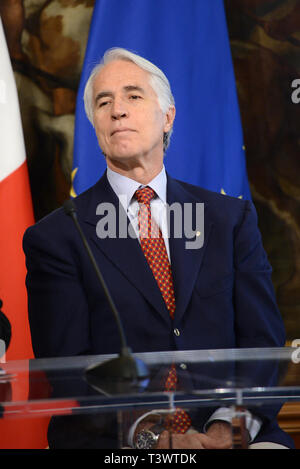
point(69, 207)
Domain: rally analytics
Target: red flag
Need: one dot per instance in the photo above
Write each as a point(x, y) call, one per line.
point(16, 214)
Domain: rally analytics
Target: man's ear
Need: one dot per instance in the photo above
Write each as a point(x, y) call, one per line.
point(169, 118)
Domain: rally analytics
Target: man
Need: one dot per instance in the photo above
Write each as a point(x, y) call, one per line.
point(218, 295)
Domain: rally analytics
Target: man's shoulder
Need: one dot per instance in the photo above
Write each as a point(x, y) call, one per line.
point(57, 218)
point(212, 197)
point(55, 231)
point(222, 209)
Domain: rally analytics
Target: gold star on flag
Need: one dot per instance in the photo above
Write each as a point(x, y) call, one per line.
point(72, 191)
point(224, 193)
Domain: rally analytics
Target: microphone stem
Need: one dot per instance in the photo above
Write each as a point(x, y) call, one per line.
point(124, 348)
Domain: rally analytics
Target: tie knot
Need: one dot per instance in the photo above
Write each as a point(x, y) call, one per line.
point(144, 195)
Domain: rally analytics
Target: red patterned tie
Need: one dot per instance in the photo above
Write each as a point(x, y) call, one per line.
point(154, 249)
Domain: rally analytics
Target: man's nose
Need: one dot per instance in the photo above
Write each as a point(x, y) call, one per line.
point(119, 110)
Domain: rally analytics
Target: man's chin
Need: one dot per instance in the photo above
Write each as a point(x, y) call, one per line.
point(123, 156)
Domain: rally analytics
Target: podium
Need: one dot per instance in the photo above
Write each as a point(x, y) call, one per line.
point(259, 380)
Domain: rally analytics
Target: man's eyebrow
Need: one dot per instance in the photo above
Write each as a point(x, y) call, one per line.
point(103, 94)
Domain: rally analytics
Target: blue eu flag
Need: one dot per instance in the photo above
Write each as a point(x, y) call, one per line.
point(189, 41)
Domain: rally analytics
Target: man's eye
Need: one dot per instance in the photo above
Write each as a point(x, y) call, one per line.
point(134, 96)
point(103, 103)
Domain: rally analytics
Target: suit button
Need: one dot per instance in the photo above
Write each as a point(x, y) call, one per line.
point(177, 332)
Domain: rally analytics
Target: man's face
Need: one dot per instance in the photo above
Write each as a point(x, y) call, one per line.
point(128, 120)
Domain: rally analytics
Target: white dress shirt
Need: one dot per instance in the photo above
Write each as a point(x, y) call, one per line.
point(125, 189)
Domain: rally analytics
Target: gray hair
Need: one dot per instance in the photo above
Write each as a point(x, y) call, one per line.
point(158, 81)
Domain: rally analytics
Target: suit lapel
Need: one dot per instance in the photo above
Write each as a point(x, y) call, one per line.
point(186, 262)
point(125, 253)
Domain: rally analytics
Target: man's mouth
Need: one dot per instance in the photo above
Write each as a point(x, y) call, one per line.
point(118, 131)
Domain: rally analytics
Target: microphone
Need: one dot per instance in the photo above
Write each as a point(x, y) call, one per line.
point(121, 373)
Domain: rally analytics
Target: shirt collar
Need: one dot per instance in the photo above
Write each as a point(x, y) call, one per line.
point(125, 187)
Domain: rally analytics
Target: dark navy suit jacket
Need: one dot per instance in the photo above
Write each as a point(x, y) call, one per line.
point(224, 294)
